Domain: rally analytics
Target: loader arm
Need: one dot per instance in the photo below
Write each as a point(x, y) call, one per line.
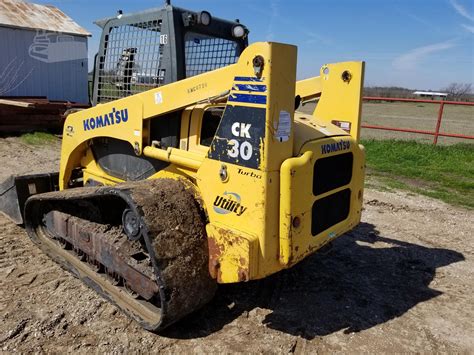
point(340, 101)
point(133, 111)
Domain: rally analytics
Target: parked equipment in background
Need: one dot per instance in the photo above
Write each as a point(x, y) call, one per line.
point(208, 175)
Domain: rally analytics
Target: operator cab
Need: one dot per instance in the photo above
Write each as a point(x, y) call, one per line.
point(148, 49)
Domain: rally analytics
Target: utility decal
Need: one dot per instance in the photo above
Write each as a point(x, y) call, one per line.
point(108, 119)
point(239, 136)
point(229, 202)
point(335, 147)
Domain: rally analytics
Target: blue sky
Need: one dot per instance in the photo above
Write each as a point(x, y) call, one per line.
point(419, 44)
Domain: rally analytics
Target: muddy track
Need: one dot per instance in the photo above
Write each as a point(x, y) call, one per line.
point(402, 281)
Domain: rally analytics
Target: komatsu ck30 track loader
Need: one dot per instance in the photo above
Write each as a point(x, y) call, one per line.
point(194, 167)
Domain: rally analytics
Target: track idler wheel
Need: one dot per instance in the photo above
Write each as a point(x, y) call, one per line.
point(131, 224)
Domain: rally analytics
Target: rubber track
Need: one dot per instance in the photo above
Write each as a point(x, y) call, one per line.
point(173, 230)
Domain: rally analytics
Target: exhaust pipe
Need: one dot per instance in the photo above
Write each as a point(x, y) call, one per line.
point(15, 190)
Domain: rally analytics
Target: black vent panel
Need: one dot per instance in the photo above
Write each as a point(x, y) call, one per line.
point(330, 210)
point(332, 172)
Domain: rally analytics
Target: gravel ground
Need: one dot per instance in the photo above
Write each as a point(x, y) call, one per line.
point(400, 282)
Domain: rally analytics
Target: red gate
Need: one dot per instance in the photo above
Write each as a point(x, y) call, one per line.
point(436, 133)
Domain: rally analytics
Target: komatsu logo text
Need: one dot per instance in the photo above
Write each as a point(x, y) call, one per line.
point(335, 147)
point(108, 119)
point(229, 202)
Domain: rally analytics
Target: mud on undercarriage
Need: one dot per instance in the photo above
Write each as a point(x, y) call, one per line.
point(155, 269)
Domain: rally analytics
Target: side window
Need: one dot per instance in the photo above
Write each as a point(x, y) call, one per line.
point(205, 53)
point(210, 122)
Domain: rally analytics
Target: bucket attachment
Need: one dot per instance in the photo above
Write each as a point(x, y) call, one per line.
point(15, 190)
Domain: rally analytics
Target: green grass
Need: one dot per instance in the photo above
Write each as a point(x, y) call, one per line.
point(443, 172)
point(38, 138)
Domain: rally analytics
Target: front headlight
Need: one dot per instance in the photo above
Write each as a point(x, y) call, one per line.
point(239, 31)
point(204, 18)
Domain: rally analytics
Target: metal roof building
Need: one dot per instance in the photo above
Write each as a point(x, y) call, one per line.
point(430, 94)
point(44, 53)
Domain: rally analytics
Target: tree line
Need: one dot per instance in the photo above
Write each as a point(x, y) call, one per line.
point(455, 91)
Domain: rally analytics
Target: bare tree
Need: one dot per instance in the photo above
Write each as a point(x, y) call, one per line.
point(458, 91)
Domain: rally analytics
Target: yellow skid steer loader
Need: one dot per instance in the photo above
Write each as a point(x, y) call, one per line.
point(194, 166)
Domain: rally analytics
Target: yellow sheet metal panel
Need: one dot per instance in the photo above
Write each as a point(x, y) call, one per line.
point(288, 188)
point(195, 128)
point(233, 255)
point(239, 180)
point(176, 156)
point(298, 198)
point(184, 130)
point(280, 106)
point(341, 95)
point(120, 119)
point(308, 128)
point(309, 89)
